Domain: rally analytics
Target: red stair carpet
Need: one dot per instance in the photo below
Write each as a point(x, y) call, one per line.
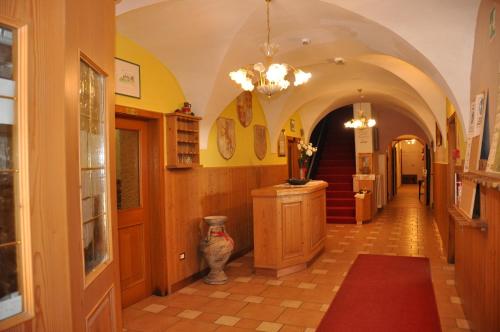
point(384, 294)
point(336, 166)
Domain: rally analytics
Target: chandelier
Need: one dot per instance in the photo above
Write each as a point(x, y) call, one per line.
point(268, 77)
point(361, 121)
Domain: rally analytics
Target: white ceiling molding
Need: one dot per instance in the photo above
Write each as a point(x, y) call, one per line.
point(421, 83)
point(312, 113)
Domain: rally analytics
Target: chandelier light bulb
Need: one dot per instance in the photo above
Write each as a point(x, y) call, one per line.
point(276, 72)
point(371, 123)
point(239, 76)
point(301, 77)
point(247, 85)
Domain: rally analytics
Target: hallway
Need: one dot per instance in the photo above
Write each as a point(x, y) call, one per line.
point(297, 302)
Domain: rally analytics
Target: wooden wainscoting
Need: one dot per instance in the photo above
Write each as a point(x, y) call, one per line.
point(194, 193)
point(440, 195)
point(478, 266)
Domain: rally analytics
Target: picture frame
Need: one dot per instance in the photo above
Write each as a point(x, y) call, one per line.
point(282, 144)
point(292, 125)
point(127, 78)
point(365, 163)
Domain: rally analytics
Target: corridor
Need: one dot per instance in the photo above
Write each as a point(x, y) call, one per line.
point(297, 302)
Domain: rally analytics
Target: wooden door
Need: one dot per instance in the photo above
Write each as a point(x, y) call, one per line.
point(133, 209)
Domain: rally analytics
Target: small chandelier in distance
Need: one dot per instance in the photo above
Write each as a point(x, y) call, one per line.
point(361, 121)
point(269, 77)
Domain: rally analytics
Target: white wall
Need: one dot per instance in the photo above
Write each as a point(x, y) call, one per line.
point(412, 162)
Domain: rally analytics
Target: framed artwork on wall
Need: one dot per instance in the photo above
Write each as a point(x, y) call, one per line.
point(365, 165)
point(292, 125)
point(127, 78)
point(282, 144)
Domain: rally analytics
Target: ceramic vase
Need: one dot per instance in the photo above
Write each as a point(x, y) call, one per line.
point(216, 247)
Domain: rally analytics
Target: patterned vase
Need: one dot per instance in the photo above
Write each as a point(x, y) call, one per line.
point(216, 248)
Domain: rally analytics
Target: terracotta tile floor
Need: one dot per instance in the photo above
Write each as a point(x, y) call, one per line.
point(298, 302)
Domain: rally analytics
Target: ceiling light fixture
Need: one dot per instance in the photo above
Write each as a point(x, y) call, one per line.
point(268, 77)
point(361, 121)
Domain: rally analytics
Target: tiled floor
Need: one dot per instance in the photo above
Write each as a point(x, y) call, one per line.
point(297, 302)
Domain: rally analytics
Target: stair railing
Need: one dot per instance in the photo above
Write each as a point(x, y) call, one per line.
point(319, 143)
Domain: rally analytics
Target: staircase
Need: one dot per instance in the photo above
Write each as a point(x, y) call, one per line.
point(336, 166)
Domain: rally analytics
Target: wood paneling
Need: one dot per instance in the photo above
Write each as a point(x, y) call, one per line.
point(291, 229)
point(102, 318)
point(194, 193)
point(441, 205)
point(478, 266)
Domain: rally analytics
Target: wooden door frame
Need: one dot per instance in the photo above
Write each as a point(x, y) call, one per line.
point(156, 128)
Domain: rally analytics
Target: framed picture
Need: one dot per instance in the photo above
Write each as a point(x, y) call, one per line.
point(292, 125)
point(127, 78)
point(365, 165)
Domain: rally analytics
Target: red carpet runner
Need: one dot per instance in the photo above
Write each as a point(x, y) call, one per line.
point(384, 294)
point(336, 166)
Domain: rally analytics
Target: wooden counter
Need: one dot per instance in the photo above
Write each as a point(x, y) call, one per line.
point(289, 224)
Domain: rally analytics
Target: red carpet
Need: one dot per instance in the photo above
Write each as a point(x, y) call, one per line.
point(336, 166)
point(384, 294)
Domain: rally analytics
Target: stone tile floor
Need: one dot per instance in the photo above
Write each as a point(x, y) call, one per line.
point(298, 302)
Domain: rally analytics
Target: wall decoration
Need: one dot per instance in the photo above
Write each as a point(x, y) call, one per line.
point(259, 141)
point(282, 144)
point(365, 165)
point(226, 137)
point(127, 78)
point(475, 134)
point(493, 164)
point(292, 125)
point(244, 108)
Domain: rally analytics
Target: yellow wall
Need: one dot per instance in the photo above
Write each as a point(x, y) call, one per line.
point(245, 154)
point(160, 91)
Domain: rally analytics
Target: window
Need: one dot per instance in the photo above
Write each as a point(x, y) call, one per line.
point(93, 176)
point(15, 248)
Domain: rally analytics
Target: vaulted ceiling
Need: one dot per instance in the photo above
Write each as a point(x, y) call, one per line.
point(404, 54)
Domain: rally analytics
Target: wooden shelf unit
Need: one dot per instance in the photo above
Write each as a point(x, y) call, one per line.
point(183, 140)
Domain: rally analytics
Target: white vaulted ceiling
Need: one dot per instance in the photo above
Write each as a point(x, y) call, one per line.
point(403, 53)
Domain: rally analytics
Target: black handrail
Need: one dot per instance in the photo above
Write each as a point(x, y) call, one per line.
point(320, 138)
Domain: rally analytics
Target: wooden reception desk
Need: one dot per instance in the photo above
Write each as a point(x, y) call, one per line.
point(289, 224)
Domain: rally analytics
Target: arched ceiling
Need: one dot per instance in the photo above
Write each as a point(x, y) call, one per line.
point(408, 53)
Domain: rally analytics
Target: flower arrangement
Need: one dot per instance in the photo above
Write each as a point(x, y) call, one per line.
point(305, 153)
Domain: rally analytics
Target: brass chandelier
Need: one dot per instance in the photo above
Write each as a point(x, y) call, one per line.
point(268, 77)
